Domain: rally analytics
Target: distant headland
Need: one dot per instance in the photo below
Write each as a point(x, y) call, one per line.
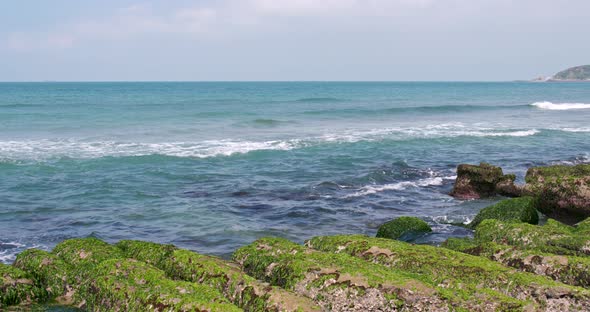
point(577, 73)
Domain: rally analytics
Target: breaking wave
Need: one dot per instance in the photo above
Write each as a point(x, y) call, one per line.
point(72, 148)
point(560, 106)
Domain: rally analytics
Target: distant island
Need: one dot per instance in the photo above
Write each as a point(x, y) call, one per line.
point(578, 73)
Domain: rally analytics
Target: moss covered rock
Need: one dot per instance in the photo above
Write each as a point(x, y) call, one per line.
point(239, 288)
point(521, 209)
point(402, 228)
point(571, 270)
point(96, 276)
point(338, 282)
point(16, 287)
point(563, 191)
point(553, 237)
point(483, 180)
point(130, 285)
point(472, 282)
point(49, 272)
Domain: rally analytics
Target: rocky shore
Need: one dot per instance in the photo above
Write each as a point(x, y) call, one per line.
point(512, 263)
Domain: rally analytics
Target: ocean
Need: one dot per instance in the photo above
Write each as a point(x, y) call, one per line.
point(211, 166)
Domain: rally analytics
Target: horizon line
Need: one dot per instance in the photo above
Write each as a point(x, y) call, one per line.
point(245, 81)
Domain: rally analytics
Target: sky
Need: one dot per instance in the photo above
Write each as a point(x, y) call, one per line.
point(236, 40)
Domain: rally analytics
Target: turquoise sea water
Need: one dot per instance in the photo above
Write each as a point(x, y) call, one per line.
point(212, 166)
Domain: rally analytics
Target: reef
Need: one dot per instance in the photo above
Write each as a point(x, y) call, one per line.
point(483, 180)
point(512, 263)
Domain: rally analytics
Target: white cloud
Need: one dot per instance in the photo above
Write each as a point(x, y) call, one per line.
point(229, 17)
point(125, 22)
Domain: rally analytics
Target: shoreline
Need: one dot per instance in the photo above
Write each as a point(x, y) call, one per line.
point(349, 272)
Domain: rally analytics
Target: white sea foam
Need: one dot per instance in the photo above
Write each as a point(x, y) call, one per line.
point(55, 148)
point(8, 251)
point(560, 106)
point(373, 189)
point(586, 129)
point(39, 149)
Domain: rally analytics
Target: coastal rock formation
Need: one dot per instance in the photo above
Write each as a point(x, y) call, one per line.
point(402, 227)
point(521, 209)
point(96, 276)
point(578, 73)
point(555, 250)
point(332, 273)
point(563, 191)
point(483, 180)
point(468, 282)
point(16, 287)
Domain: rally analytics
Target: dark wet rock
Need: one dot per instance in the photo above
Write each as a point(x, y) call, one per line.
point(483, 180)
point(403, 227)
point(563, 191)
point(521, 209)
point(240, 193)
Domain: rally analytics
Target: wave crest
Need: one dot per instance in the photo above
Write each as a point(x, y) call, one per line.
point(560, 106)
point(72, 148)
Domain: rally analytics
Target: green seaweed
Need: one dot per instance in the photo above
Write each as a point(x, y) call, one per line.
point(85, 253)
point(46, 269)
point(130, 285)
point(16, 287)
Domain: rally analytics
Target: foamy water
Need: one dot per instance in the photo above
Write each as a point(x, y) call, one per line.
point(560, 106)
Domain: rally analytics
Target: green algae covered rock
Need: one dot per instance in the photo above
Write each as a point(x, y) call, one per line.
point(94, 275)
point(476, 283)
point(571, 270)
point(461, 244)
point(130, 285)
point(563, 191)
point(17, 288)
point(483, 180)
point(553, 237)
point(48, 271)
point(239, 288)
point(403, 227)
point(85, 253)
point(338, 282)
point(521, 209)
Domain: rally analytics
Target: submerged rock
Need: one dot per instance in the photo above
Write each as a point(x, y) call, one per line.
point(563, 191)
point(483, 180)
point(515, 209)
point(403, 227)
